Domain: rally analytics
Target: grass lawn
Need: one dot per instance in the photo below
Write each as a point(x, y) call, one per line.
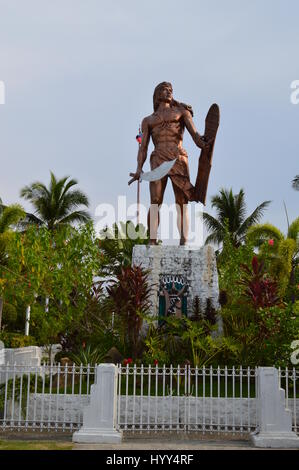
point(35, 445)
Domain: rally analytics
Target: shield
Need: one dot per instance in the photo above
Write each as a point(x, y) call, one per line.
point(205, 160)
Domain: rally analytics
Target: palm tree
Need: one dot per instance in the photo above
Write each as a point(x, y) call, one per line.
point(116, 245)
point(284, 251)
point(231, 217)
point(295, 183)
point(57, 205)
point(9, 217)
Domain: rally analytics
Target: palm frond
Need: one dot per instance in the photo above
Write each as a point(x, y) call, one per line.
point(253, 218)
point(240, 207)
point(76, 216)
point(212, 223)
point(295, 183)
point(11, 216)
point(68, 186)
point(214, 238)
point(35, 191)
point(222, 203)
point(74, 199)
point(29, 219)
point(214, 226)
point(258, 234)
point(293, 231)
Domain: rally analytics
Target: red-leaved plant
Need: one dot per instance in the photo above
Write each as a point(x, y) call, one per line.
point(131, 297)
point(259, 288)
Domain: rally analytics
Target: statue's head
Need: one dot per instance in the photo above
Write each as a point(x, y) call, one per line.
point(163, 92)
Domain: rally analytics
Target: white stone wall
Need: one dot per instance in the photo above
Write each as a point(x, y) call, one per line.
point(198, 266)
point(188, 410)
point(57, 407)
point(28, 356)
point(69, 408)
point(167, 410)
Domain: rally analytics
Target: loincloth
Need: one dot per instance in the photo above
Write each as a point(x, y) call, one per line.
point(179, 173)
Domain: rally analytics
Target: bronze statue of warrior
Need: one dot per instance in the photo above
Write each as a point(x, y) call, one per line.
point(166, 128)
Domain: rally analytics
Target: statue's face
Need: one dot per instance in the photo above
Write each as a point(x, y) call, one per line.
point(166, 94)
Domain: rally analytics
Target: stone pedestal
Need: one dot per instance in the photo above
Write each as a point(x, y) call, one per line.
point(99, 417)
point(274, 420)
point(194, 267)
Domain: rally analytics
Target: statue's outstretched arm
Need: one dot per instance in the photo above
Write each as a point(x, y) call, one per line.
point(142, 152)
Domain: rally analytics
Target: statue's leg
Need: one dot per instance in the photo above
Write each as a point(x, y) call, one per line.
point(181, 201)
point(157, 189)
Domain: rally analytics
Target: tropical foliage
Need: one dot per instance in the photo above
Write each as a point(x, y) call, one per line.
point(231, 217)
point(130, 294)
point(280, 251)
point(85, 294)
point(59, 267)
point(56, 205)
point(9, 216)
point(116, 245)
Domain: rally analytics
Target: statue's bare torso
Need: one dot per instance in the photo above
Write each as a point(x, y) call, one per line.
point(167, 127)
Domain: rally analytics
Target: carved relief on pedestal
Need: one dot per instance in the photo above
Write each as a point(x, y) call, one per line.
point(173, 293)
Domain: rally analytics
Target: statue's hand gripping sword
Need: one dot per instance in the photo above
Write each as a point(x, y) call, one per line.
point(154, 175)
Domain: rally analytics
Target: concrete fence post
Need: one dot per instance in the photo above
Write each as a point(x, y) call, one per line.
point(274, 420)
point(99, 417)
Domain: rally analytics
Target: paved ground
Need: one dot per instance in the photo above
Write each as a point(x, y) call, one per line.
point(174, 441)
point(151, 441)
point(150, 444)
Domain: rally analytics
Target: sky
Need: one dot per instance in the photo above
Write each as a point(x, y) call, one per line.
point(79, 77)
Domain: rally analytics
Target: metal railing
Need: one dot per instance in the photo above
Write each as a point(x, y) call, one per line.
point(46, 397)
point(186, 399)
point(149, 398)
point(288, 381)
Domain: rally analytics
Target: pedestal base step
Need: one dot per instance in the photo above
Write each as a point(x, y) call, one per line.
point(97, 436)
point(281, 440)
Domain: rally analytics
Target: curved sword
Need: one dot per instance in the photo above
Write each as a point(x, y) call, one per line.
point(159, 172)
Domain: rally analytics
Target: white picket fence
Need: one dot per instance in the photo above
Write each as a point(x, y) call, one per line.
point(149, 398)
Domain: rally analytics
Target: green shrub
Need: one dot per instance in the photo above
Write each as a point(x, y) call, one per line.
point(10, 315)
point(88, 355)
point(16, 340)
